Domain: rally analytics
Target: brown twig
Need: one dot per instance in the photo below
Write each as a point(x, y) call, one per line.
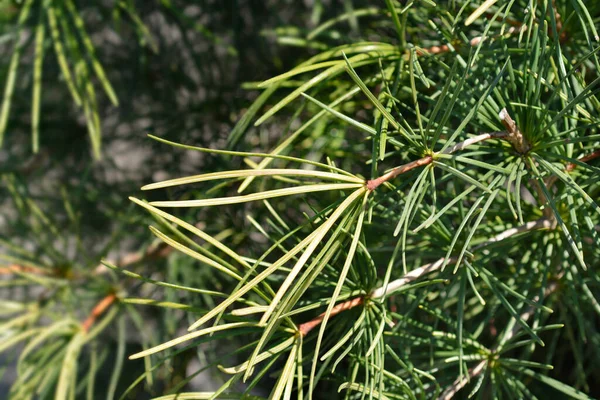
point(14, 268)
point(374, 183)
point(515, 137)
point(413, 275)
point(98, 310)
point(571, 166)
point(310, 325)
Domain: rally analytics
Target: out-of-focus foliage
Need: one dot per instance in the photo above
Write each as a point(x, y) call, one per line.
point(176, 71)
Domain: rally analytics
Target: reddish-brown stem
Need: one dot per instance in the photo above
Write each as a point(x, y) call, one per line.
point(310, 325)
point(98, 310)
point(413, 275)
point(515, 137)
point(14, 268)
point(571, 166)
point(374, 183)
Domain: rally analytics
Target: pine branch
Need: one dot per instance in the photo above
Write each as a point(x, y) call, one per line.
point(308, 326)
point(374, 183)
point(515, 137)
point(413, 275)
point(571, 166)
point(462, 381)
point(98, 310)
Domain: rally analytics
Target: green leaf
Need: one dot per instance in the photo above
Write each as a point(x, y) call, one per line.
point(461, 175)
point(353, 122)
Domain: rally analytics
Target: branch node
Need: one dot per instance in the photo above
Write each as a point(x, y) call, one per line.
point(98, 310)
point(515, 137)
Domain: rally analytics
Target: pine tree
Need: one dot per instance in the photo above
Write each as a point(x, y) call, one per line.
point(422, 223)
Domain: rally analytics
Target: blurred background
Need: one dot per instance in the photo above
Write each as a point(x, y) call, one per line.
point(178, 70)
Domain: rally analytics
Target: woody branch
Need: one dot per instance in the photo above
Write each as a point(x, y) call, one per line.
point(462, 381)
point(571, 166)
point(374, 183)
point(98, 310)
point(512, 134)
point(415, 274)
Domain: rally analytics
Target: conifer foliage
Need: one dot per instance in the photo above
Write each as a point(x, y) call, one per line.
point(422, 224)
